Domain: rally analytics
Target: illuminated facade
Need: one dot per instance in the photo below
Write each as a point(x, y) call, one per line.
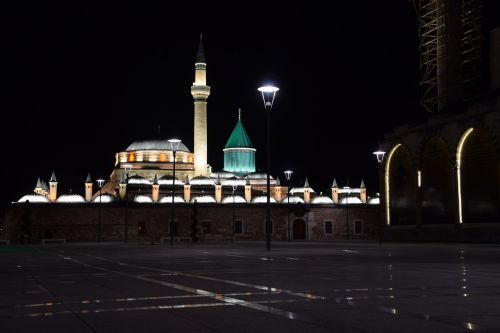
point(141, 186)
point(143, 171)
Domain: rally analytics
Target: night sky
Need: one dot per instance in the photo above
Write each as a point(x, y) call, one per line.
point(85, 80)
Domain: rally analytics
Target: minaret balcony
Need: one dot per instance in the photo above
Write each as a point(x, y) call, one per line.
point(200, 92)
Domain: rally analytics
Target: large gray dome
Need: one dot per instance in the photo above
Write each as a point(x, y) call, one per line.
point(156, 144)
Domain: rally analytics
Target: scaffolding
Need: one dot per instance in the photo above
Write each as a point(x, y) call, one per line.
point(432, 21)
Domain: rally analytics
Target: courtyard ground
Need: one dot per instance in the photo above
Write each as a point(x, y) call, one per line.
point(241, 287)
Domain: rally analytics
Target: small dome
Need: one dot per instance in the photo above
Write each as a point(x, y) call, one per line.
point(293, 200)
point(200, 180)
point(138, 180)
point(237, 199)
point(203, 199)
point(168, 199)
point(33, 198)
point(234, 181)
point(300, 190)
point(262, 199)
point(374, 201)
point(221, 174)
point(70, 198)
point(167, 180)
point(352, 200)
point(141, 198)
point(105, 198)
point(155, 144)
point(322, 200)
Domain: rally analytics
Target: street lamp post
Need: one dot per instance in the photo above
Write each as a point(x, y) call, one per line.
point(268, 94)
point(234, 209)
point(100, 182)
point(127, 168)
point(288, 175)
point(348, 191)
point(174, 144)
point(379, 154)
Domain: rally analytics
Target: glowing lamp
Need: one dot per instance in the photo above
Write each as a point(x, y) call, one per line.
point(268, 94)
point(380, 155)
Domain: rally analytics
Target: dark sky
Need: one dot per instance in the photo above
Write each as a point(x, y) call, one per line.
point(87, 79)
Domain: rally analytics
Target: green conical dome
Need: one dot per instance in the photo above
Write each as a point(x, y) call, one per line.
point(239, 153)
point(239, 138)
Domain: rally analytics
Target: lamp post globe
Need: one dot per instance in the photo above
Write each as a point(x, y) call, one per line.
point(268, 95)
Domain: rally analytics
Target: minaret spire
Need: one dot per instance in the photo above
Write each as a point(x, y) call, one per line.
point(239, 114)
point(200, 56)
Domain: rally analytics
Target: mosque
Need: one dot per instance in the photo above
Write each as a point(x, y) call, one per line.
point(152, 178)
point(144, 171)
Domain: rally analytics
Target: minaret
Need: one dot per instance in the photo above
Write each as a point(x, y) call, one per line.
point(335, 191)
point(38, 187)
point(187, 190)
point(248, 190)
point(277, 190)
point(88, 188)
point(218, 190)
point(155, 190)
point(362, 193)
point(53, 187)
point(200, 92)
point(307, 192)
point(122, 187)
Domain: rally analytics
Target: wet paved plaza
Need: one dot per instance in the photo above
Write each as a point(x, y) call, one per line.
point(296, 287)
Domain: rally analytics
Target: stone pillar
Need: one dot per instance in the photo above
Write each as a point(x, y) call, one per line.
point(362, 195)
point(53, 187)
point(218, 193)
point(248, 193)
point(335, 195)
point(277, 193)
point(187, 192)
point(122, 190)
point(53, 191)
point(88, 191)
point(307, 195)
point(155, 192)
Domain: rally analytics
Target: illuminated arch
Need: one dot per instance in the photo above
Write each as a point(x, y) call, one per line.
point(459, 177)
point(386, 181)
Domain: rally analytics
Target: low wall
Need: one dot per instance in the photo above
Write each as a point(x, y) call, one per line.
point(150, 222)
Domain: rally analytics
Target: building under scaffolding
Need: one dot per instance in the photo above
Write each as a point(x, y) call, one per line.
point(440, 176)
point(450, 51)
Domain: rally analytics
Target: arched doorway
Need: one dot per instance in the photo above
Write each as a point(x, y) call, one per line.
point(400, 184)
point(436, 183)
point(480, 177)
point(299, 229)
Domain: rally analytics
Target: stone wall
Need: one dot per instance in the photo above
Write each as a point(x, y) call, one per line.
point(80, 222)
